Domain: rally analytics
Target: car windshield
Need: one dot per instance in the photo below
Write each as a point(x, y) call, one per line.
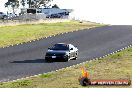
point(60, 47)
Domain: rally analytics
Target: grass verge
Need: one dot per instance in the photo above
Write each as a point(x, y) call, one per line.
point(116, 66)
point(11, 35)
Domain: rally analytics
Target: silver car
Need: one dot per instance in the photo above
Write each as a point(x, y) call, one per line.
point(2, 15)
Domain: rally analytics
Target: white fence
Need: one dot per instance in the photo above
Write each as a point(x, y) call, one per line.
point(19, 22)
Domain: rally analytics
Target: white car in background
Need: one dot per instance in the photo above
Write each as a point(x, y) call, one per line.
point(11, 15)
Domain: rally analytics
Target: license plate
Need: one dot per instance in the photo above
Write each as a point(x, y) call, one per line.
point(53, 56)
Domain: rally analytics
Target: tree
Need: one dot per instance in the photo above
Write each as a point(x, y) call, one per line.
point(14, 4)
point(29, 3)
point(55, 6)
point(38, 3)
point(23, 2)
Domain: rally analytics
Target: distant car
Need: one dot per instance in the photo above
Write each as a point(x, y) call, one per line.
point(54, 16)
point(62, 52)
point(2, 15)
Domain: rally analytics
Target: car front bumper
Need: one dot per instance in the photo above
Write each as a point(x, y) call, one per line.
point(55, 58)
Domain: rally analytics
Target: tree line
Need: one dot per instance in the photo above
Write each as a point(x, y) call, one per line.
point(14, 4)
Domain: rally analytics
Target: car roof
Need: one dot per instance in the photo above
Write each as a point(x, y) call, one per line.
point(64, 43)
point(61, 43)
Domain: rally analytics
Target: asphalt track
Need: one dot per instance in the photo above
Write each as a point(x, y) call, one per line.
point(28, 59)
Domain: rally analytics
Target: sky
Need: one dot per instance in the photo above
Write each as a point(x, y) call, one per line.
point(116, 12)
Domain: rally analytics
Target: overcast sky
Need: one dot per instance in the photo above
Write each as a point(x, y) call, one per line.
point(102, 11)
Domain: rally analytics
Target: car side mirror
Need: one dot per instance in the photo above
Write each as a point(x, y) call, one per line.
point(71, 49)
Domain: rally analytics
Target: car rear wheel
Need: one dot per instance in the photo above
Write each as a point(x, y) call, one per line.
point(74, 58)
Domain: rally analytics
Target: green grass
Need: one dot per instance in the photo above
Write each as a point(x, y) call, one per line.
point(10, 35)
point(116, 66)
point(118, 55)
point(17, 84)
point(45, 76)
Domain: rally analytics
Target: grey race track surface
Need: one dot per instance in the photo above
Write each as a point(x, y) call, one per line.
point(28, 59)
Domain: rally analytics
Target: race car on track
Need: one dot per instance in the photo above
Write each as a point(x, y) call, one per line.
point(61, 51)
